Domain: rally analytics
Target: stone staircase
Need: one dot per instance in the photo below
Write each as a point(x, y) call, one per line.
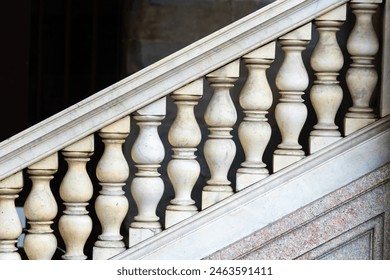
point(299, 202)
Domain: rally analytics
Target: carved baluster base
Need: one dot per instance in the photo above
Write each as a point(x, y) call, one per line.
point(40, 246)
point(75, 226)
point(107, 249)
point(8, 250)
point(351, 124)
point(214, 194)
point(111, 242)
point(183, 170)
point(317, 143)
point(137, 235)
point(146, 224)
point(282, 161)
point(175, 214)
point(244, 180)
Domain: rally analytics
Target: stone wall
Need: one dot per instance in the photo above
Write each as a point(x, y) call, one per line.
point(157, 28)
point(350, 223)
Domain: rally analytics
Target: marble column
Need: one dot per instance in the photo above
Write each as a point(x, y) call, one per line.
point(362, 77)
point(40, 210)
point(183, 169)
point(76, 190)
point(254, 131)
point(10, 225)
point(147, 187)
point(111, 205)
point(220, 149)
point(326, 94)
point(291, 113)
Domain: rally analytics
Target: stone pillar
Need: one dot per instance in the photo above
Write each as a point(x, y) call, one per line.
point(10, 225)
point(147, 187)
point(255, 132)
point(40, 209)
point(361, 77)
point(184, 136)
point(111, 205)
point(220, 149)
point(326, 94)
point(76, 190)
point(290, 113)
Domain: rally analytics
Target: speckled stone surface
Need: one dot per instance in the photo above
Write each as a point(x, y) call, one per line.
point(350, 223)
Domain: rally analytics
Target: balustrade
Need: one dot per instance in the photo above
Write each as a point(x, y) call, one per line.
point(361, 77)
point(183, 169)
point(76, 190)
point(147, 187)
point(40, 209)
point(220, 149)
point(290, 113)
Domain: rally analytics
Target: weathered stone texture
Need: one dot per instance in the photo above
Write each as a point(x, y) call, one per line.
point(350, 223)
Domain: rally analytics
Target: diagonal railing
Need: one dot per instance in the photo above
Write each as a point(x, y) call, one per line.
point(157, 80)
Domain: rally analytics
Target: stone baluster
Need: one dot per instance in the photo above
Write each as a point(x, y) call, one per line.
point(111, 205)
point(147, 187)
point(220, 149)
point(255, 132)
point(10, 225)
point(184, 136)
point(326, 94)
point(76, 190)
point(40, 210)
point(291, 81)
point(361, 77)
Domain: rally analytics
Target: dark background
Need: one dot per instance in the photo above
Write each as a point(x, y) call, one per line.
point(55, 53)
